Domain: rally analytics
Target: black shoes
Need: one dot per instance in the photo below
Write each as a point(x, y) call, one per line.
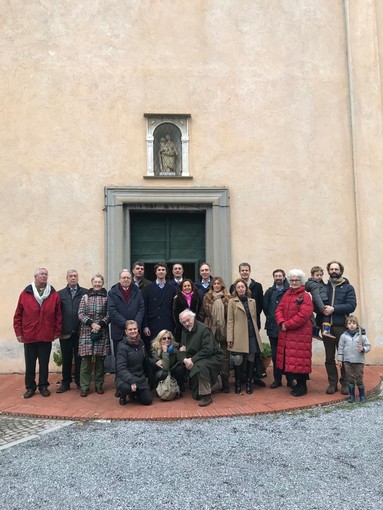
point(299, 391)
point(331, 390)
point(259, 383)
point(275, 384)
point(63, 389)
point(99, 390)
point(344, 390)
point(84, 392)
point(122, 401)
point(225, 383)
point(44, 392)
point(205, 401)
point(29, 393)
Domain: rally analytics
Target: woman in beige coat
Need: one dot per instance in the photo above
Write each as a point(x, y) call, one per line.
point(243, 337)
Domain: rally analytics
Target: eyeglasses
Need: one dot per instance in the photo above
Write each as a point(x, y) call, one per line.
point(293, 280)
point(166, 338)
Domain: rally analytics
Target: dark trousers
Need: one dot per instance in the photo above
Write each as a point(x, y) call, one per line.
point(69, 351)
point(143, 396)
point(32, 352)
point(277, 373)
point(331, 346)
point(354, 373)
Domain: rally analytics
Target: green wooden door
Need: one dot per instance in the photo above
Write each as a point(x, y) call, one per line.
point(170, 237)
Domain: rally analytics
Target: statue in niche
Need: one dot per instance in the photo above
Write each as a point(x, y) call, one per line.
point(167, 155)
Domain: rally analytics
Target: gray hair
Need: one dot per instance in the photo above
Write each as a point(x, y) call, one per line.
point(36, 272)
point(97, 275)
point(71, 271)
point(124, 271)
point(188, 311)
point(298, 273)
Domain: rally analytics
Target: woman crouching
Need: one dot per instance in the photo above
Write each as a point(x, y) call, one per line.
point(164, 358)
point(130, 379)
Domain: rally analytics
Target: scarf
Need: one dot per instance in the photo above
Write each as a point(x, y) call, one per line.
point(44, 295)
point(336, 281)
point(134, 343)
point(218, 311)
point(188, 297)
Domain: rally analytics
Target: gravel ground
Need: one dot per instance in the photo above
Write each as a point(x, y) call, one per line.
point(317, 459)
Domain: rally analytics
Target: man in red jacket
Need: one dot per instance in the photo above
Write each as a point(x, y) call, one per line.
point(37, 322)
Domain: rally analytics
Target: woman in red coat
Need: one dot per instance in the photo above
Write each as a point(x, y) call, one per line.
point(293, 317)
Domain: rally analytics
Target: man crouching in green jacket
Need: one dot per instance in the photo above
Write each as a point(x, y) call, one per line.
point(203, 356)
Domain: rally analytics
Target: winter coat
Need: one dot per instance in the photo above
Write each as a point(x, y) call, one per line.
point(120, 310)
point(69, 309)
point(342, 297)
point(271, 301)
point(169, 360)
point(348, 348)
point(294, 344)
point(179, 305)
point(205, 353)
point(35, 323)
point(93, 308)
point(256, 292)
point(130, 365)
point(210, 320)
point(318, 291)
point(158, 308)
point(237, 326)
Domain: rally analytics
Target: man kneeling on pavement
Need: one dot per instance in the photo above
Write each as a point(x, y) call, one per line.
point(202, 356)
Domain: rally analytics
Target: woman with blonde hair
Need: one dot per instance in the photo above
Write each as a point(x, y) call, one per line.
point(215, 304)
point(243, 337)
point(164, 359)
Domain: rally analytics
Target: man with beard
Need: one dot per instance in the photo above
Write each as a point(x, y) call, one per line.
point(342, 299)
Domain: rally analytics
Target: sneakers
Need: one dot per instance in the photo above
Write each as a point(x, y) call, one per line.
point(29, 393)
point(62, 389)
point(44, 392)
point(205, 401)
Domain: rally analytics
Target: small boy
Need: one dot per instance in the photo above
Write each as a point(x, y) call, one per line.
point(317, 288)
point(353, 344)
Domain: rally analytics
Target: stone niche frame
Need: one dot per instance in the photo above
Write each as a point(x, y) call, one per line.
point(214, 201)
point(181, 121)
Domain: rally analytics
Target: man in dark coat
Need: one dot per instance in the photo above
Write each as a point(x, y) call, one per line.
point(125, 302)
point(203, 356)
point(203, 285)
point(158, 302)
point(37, 322)
point(255, 288)
point(178, 272)
point(271, 300)
point(138, 271)
point(342, 299)
point(70, 301)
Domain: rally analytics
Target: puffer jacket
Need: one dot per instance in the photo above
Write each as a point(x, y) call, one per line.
point(342, 297)
point(130, 364)
point(295, 344)
point(348, 349)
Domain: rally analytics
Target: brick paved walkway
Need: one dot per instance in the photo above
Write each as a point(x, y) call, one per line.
point(71, 406)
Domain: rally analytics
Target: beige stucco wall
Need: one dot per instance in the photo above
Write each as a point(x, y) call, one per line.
point(267, 83)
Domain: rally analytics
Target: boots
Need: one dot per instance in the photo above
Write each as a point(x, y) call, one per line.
point(326, 330)
point(237, 376)
point(225, 383)
point(249, 377)
point(362, 396)
point(351, 387)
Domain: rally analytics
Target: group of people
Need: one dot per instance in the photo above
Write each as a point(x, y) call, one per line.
point(192, 331)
